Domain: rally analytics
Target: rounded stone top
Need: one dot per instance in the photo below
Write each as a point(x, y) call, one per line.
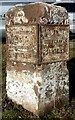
point(37, 13)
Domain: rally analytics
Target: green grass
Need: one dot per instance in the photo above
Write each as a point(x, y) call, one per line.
point(11, 111)
point(72, 48)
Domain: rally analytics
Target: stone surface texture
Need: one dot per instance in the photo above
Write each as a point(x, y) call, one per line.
point(37, 13)
point(37, 51)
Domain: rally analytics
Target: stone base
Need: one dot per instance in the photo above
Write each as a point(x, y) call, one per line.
point(39, 89)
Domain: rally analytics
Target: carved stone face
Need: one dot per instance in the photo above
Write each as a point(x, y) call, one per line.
point(37, 50)
point(20, 17)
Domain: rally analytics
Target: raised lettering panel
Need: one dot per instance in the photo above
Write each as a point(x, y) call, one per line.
point(55, 43)
point(22, 43)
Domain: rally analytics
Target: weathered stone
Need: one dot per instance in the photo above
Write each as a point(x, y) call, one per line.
point(37, 51)
point(23, 87)
point(55, 43)
point(37, 13)
point(23, 44)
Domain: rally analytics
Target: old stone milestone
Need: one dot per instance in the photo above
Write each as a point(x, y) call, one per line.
point(37, 50)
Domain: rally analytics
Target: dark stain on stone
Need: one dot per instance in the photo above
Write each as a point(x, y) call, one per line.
point(65, 83)
point(59, 90)
point(50, 46)
point(36, 90)
point(40, 88)
point(19, 66)
point(61, 101)
point(48, 93)
point(49, 106)
point(38, 83)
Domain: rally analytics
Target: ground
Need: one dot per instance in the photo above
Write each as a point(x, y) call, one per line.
point(11, 111)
